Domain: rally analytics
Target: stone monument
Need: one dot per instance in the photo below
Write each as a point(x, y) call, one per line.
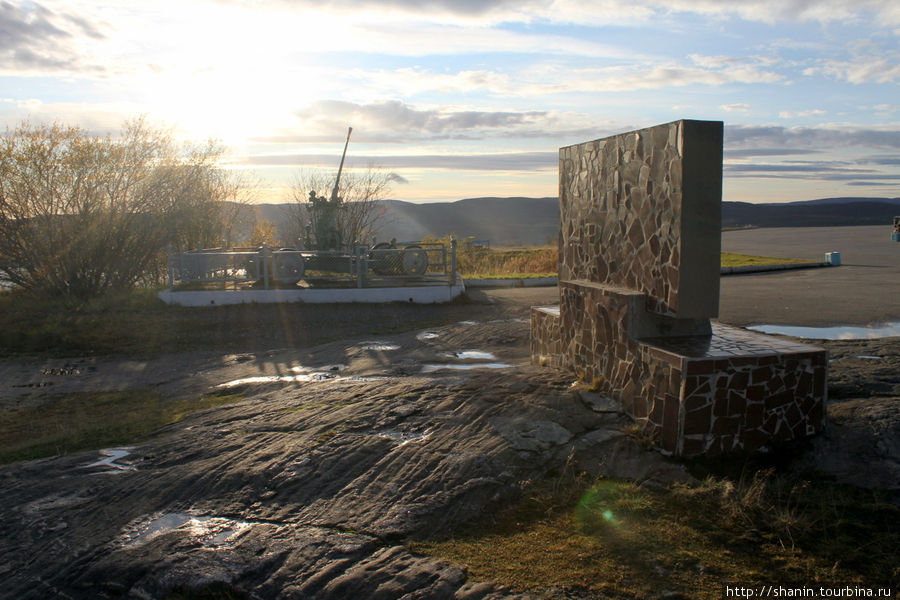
point(639, 264)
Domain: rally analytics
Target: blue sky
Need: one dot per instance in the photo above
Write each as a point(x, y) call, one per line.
point(463, 98)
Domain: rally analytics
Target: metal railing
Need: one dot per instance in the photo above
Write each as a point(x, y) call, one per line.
point(406, 263)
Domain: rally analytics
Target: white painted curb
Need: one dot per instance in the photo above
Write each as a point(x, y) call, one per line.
point(417, 295)
point(515, 282)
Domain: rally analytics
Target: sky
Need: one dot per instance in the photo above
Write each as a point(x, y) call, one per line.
point(466, 98)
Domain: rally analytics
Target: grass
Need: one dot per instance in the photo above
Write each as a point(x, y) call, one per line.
point(621, 540)
point(730, 259)
point(66, 423)
point(138, 324)
point(490, 263)
point(541, 261)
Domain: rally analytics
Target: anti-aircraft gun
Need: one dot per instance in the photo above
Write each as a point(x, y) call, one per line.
point(325, 247)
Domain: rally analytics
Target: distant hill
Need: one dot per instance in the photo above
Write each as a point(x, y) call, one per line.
point(826, 212)
point(503, 221)
point(534, 221)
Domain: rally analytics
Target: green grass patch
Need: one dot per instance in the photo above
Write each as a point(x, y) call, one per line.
point(507, 275)
point(542, 261)
point(731, 259)
point(66, 423)
point(619, 539)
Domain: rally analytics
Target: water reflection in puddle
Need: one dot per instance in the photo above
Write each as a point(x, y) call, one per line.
point(112, 455)
point(208, 531)
point(427, 335)
point(431, 368)
point(330, 377)
point(382, 346)
point(833, 333)
point(867, 356)
point(300, 378)
point(323, 370)
point(404, 437)
point(470, 354)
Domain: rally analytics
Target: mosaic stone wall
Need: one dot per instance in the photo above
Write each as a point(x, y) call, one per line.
point(545, 337)
point(733, 390)
point(639, 245)
point(642, 211)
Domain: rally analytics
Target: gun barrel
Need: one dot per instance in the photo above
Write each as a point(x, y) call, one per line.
point(337, 180)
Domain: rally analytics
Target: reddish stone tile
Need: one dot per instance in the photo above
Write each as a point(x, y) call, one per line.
point(780, 399)
point(699, 367)
point(720, 408)
point(726, 425)
point(816, 415)
point(737, 404)
point(756, 393)
point(753, 415)
point(697, 421)
point(760, 375)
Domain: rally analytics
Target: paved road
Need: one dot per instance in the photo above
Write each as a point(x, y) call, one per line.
point(864, 290)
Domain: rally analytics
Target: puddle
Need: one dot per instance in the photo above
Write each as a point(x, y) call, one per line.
point(834, 333)
point(208, 531)
point(470, 355)
point(427, 335)
point(868, 357)
point(112, 455)
point(330, 377)
point(61, 371)
point(431, 368)
point(468, 323)
point(382, 346)
point(404, 437)
point(325, 369)
point(299, 378)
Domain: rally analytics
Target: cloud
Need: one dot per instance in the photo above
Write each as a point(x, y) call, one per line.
point(618, 12)
point(735, 107)
point(802, 114)
point(36, 39)
point(395, 122)
point(507, 161)
point(870, 62)
point(771, 136)
point(754, 152)
point(557, 77)
point(397, 178)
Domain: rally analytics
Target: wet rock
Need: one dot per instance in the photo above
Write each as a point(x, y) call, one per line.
point(531, 436)
point(598, 402)
point(864, 431)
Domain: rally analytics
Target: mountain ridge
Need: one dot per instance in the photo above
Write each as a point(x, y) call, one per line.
point(520, 220)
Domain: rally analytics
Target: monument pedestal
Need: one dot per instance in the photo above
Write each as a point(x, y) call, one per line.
point(639, 252)
point(700, 395)
point(693, 395)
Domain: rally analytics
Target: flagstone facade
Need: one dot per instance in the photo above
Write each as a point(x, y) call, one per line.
point(639, 246)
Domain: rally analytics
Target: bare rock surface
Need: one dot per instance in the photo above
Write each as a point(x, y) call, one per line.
point(340, 454)
point(309, 487)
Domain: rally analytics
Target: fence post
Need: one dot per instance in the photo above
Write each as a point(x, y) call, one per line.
point(452, 262)
point(357, 251)
point(264, 254)
point(169, 267)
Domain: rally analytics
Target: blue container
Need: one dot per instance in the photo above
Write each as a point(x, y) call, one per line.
point(833, 258)
point(895, 237)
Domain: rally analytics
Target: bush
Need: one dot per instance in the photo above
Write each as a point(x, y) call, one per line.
point(82, 214)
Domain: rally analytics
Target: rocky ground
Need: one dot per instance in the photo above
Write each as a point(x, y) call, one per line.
point(341, 453)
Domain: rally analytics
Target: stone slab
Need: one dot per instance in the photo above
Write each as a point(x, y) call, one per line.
point(642, 211)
